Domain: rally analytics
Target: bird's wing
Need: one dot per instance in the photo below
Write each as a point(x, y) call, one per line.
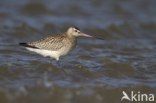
point(53, 43)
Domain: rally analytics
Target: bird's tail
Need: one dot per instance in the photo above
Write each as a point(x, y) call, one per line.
point(27, 45)
point(23, 44)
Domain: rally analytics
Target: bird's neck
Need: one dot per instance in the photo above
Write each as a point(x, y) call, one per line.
point(71, 37)
point(72, 40)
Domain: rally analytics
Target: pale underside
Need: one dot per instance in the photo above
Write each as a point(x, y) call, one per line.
point(48, 53)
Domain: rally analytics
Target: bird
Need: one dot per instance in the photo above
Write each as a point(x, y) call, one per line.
point(56, 45)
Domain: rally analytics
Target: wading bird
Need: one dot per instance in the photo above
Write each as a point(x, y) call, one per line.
point(55, 46)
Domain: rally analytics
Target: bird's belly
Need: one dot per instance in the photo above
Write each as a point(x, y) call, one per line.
point(45, 53)
point(54, 54)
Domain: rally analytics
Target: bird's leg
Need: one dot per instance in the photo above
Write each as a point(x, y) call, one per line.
point(58, 62)
point(59, 65)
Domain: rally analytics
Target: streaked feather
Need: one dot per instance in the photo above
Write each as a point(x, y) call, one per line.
point(53, 43)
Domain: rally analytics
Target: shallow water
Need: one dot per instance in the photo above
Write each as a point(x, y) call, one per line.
point(97, 71)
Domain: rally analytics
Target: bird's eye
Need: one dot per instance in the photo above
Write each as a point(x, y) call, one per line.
point(76, 31)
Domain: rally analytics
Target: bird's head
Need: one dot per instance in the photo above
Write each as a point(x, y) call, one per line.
point(74, 31)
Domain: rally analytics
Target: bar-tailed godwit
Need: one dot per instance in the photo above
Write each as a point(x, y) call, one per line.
point(55, 46)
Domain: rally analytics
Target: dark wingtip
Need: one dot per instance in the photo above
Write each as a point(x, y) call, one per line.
point(23, 44)
point(27, 45)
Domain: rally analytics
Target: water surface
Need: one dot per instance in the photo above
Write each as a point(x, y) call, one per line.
point(97, 71)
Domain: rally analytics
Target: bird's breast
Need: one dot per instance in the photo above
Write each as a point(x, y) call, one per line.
point(68, 46)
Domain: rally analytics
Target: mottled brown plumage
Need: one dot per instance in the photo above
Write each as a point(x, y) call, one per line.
point(54, 42)
point(56, 45)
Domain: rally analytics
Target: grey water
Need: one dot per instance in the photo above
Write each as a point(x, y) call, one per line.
point(97, 71)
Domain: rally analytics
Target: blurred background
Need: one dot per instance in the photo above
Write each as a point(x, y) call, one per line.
point(97, 71)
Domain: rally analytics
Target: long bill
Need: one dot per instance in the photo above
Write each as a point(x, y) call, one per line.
point(85, 35)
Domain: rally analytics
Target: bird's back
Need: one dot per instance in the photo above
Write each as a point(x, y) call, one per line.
point(53, 43)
